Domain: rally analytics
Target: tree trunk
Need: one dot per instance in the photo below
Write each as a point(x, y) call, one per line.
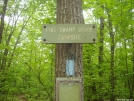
point(112, 49)
point(101, 49)
point(132, 33)
point(2, 18)
point(69, 12)
point(132, 90)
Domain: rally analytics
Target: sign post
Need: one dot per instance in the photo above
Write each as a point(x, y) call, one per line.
point(68, 35)
point(69, 82)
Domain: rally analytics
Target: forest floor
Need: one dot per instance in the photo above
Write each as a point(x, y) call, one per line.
point(22, 98)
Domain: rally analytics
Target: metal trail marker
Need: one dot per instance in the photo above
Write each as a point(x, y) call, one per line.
point(69, 33)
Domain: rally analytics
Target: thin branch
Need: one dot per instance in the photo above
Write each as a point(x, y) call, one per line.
point(39, 78)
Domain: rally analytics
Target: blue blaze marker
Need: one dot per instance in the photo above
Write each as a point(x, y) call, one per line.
point(69, 67)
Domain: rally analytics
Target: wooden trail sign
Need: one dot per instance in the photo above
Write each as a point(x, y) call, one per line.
point(68, 57)
point(69, 33)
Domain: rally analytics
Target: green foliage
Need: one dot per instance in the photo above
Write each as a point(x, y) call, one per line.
point(27, 65)
point(99, 85)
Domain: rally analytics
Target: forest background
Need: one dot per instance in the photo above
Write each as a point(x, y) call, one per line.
point(27, 65)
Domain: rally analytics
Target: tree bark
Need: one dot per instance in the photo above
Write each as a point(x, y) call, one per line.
point(112, 49)
point(132, 90)
point(132, 32)
point(69, 12)
point(101, 49)
point(2, 18)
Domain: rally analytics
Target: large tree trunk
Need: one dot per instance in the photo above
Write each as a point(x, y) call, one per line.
point(69, 12)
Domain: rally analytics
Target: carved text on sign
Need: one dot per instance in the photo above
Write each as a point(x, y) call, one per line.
point(68, 29)
point(69, 37)
point(69, 33)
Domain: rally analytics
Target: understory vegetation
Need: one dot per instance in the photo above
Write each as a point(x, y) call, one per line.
point(27, 65)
